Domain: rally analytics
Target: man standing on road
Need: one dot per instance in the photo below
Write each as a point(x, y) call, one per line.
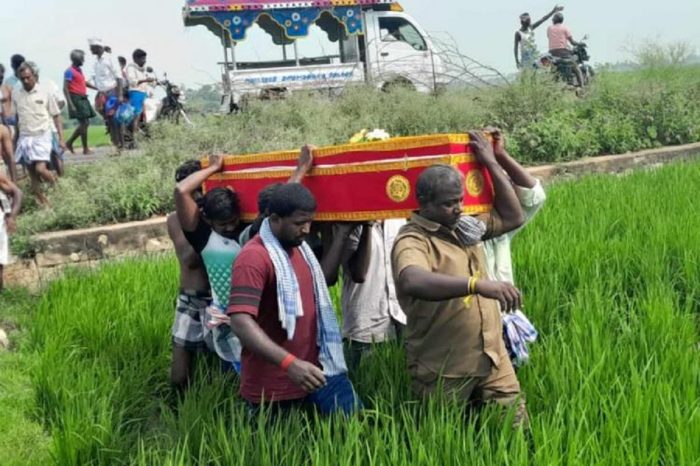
point(36, 111)
point(13, 81)
point(281, 310)
point(108, 82)
point(139, 86)
point(525, 49)
point(75, 88)
point(454, 337)
point(56, 150)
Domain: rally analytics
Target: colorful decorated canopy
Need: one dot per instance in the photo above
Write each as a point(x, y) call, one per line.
point(284, 20)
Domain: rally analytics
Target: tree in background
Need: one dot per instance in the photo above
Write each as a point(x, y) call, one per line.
point(205, 99)
point(652, 53)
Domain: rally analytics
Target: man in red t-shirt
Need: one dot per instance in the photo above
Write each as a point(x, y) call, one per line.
point(274, 368)
point(75, 89)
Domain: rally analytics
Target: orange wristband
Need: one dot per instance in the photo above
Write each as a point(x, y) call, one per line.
point(287, 361)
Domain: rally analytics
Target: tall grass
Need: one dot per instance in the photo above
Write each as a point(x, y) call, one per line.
point(544, 123)
point(610, 271)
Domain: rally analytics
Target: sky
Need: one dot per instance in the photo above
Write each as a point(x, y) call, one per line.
point(45, 31)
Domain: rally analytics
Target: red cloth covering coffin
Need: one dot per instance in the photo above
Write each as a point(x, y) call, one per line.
point(360, 182)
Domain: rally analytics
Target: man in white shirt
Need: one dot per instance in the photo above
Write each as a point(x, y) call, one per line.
point(36, 110)
point(532, 197)
point(371, 311)
point(108, 82)
point(139, 83)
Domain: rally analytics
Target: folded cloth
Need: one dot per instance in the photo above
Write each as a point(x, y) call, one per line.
point(32, 149)
point(470, 230)
point(227, 346)
point(518, 331)
point(329, 339)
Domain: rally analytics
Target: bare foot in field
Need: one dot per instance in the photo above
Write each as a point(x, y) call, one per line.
point(88, 152)
point(70, 148)
point(42, 200)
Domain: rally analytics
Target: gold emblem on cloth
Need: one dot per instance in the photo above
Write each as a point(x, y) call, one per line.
point(398, 188)
point(475, 183)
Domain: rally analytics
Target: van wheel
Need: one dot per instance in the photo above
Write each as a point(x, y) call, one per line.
point(398, 83)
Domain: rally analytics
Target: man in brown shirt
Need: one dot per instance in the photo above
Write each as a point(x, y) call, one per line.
point(454, 333)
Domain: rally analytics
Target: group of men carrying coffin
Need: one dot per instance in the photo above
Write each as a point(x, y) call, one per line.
point(441, 281)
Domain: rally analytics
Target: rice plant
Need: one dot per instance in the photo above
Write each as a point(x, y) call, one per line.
point(610, 271)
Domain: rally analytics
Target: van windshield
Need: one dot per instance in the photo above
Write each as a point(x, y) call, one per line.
point(400, 29)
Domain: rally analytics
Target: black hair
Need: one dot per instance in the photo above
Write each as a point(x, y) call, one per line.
point(138, 53)
point(525, 14)
point(76, 55)
point(186, 169)
point(265, 195)
point(290, 198)
point(432, 178)
point(558, 18)
point(16, 60)
point(221, 204)
point(2, 68)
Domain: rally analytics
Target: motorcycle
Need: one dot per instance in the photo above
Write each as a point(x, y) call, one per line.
point(171, 107)
point(564, 67)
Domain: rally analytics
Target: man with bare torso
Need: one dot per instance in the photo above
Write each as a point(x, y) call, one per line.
point(190, 332)
point(195, 296)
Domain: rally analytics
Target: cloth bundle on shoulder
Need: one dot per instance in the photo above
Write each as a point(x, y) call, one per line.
point(361, 182)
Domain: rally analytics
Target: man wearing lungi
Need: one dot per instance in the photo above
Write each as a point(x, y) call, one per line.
point(75, 88)
point(107, 79)
point(36, 110)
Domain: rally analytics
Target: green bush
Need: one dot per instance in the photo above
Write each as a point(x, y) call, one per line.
point(545, 123)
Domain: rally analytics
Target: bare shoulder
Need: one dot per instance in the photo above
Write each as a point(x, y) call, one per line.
point(174, 228)
point(172, 220)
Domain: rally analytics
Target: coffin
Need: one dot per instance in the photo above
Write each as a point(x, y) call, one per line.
point(360, 182)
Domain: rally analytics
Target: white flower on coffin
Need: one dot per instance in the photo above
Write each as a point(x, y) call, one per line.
point(369, 136)
point(377, 135)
